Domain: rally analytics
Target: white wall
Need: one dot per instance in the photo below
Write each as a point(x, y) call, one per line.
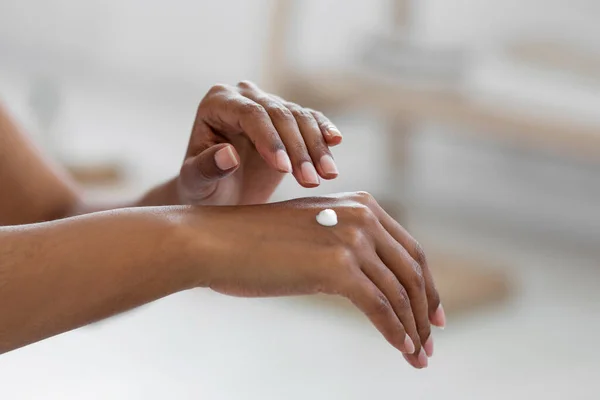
point(223, 40)
point(185, 39)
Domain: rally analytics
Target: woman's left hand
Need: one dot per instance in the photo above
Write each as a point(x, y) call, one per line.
point(245, 140)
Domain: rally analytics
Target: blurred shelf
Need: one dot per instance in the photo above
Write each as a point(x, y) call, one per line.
point(108, 174)
point(559, 56)
point(335, 90)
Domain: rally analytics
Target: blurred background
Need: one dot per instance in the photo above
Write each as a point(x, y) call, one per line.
point(475, 122)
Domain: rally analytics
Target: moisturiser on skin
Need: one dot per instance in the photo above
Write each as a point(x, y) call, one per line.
point(327, 217)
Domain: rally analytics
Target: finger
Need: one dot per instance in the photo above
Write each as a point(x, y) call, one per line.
point(332, 135)
point(367, 297)
point(410, 359)
point(289, 132)
point(401, 302)
point(435, 309)
point(408, 272)
point(199, 174)
point(235, 113)
point(315, 141)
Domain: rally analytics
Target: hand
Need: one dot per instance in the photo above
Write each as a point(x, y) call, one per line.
point(243, 142)
point(279, 249)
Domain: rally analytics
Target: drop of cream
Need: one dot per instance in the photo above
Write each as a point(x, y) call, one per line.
point(327, 217)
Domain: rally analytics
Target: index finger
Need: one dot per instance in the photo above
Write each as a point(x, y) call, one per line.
point(237, 114)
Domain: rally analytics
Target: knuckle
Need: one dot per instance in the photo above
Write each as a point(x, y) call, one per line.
point(319, 116)
point(417, 280)
point(245, 84)
point(420, 256)
point(403, 298)
point(215, 91)
point(218, 88)
point(279, 112)
point(253, 110)
point(302, 114)
point(292, 106)
point(363, 197)
point(380, 305)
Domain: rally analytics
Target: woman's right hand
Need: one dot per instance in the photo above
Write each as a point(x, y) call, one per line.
point(279, 249)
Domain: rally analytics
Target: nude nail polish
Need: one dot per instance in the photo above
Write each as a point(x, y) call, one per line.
point(409, 346)
point(439, 317)
point(428, 346)
point(328, 165)
point(225, 159)
point(309, 173)
point(422, 358)
point(283, 161)
point(334, 132)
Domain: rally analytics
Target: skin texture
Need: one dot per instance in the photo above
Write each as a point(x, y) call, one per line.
point(33, 189)
point(57, 276)
point(63, 264)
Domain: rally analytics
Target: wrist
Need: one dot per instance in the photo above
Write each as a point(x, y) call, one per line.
point(160, 240)
point(194, 240)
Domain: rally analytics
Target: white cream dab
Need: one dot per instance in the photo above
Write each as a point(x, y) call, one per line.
point(327, 217)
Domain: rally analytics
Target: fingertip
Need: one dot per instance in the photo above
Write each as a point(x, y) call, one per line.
point(309, 174)
point(428, 346)
point(333, 136)
point(439, 317)
point(333, 140)
point(413, 363)
point(328, 167)
point(282, 161)
point(422, 358)
point(409, 345)
point(226, 158)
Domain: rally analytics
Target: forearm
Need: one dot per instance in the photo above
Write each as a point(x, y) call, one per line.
point(61, 275)
point(33, 189)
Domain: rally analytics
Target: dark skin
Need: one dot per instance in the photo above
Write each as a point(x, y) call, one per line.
point(61, 269)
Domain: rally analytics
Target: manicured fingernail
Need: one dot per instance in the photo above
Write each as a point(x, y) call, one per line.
point(328, 165)
point(409, 346)
point(283, 161)
point(309, 173)
point(225, 159)
point(422, 358)
point(439, 317)
point(428, 346)
point(334, 132)
point(411, 362)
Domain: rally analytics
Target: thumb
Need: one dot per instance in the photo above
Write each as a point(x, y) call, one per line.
point(214, 163)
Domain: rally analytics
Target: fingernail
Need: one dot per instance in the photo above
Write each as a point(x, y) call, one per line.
point(409, 346)
point(428, 346)
point(309, 173)
point(334, 132)
point(423, 358)
point(283, 161)
point(328, 165)
point(411, 362)
point(439, 317)
point(225, 159)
